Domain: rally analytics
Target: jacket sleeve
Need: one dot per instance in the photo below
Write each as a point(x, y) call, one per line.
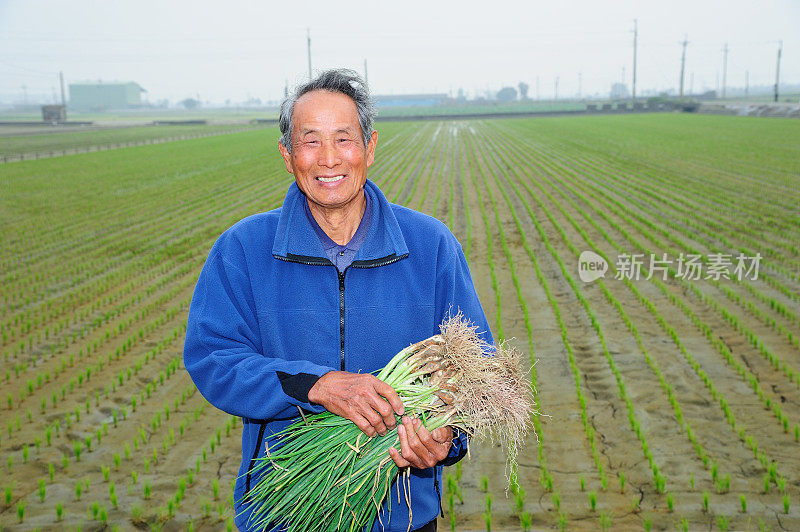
point(222, 351)
point(455, 293)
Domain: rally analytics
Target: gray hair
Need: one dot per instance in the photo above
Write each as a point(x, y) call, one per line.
point(341, 80)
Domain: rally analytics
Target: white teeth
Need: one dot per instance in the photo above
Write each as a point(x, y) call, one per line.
point(330, 179)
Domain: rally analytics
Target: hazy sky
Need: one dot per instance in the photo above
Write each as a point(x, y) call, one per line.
point(239, 49)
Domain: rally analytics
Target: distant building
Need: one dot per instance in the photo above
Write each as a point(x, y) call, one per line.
point(54, 113)
point(104, 96)
point(618, 91)
point(410, 100)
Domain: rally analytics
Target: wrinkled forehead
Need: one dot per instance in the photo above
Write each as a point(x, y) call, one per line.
point(325, 111)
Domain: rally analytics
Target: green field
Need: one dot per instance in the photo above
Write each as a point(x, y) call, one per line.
point(669, 402)
point(15, 140)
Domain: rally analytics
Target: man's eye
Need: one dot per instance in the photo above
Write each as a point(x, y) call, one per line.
point(344, 140)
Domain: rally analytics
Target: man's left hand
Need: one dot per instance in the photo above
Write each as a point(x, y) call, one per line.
point(420, 448)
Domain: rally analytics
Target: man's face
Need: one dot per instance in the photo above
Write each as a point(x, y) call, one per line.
point(328, 159)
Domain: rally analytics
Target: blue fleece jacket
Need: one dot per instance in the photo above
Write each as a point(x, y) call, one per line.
point(271, 314)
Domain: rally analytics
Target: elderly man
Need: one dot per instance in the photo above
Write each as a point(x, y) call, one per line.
point(296, 307)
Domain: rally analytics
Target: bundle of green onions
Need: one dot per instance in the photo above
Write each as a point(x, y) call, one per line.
point(325, 474)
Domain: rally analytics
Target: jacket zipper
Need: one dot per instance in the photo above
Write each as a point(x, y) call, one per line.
point(253, 459)
point(436, 487)
point(341, 313)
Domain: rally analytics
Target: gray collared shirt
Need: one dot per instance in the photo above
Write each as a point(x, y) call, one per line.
point(342, 255)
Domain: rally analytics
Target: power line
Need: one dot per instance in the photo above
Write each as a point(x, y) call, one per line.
point(39, 72)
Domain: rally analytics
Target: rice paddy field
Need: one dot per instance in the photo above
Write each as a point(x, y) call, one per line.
point(670, 395)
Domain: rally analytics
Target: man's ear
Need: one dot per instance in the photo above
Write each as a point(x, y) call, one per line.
point(373, 141)
point(287, 158)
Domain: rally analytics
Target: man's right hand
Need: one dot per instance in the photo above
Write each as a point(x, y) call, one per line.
point(365, 400)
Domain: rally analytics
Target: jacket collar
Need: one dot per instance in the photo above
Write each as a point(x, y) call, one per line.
point(296, 241)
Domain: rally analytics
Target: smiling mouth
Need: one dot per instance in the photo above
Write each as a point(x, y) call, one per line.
point(331, 179)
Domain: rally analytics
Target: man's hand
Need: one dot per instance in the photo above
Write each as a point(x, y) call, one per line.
point(420, 448)
point(365, 400)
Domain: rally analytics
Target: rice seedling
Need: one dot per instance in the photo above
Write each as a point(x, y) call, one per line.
point(8, 495)
point(670, 502)
point(723, 522)
point(487, 515)
point(743, 503)
point(562, 521)
point(21, 511)
point(519, 500)
point(705, 501)
point(484, 484)
point(445, 380)
point(556, 498)
point(42, 490)
point(786, 502)
point(621, 476)
point(78, 490)
point(604, 521)
point(683, 524)
point(525, 520)
point(215, 489)
point(59, 510)
point(51, 470)
point(592, 500)
point(146, 490)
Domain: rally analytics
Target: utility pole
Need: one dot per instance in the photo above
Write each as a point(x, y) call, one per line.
point(366, 76)
point(537, 87)
point(746, 83)
point(63, 99)
point(691, 84)
point(555, 89)
point(724, 69)
point(683, 63)
point(635, 36)
point(308, 36)
point(778, 70)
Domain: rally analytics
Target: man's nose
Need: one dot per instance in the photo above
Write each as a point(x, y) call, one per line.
point(328, 156)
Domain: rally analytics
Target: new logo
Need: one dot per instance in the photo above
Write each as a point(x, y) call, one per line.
point(591, 266)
